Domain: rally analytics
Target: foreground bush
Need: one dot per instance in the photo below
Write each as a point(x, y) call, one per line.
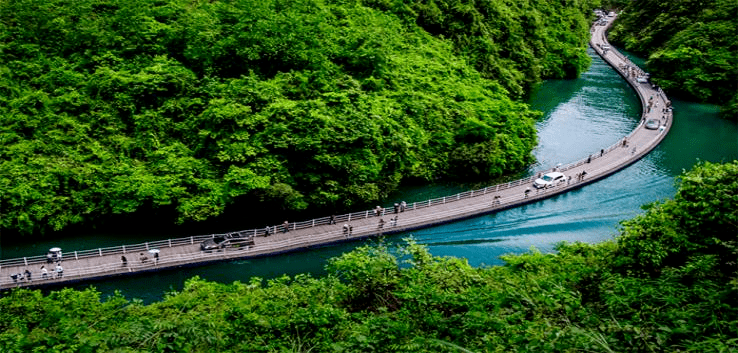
point(667, 284)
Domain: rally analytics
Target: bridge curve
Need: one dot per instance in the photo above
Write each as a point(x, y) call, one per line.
point(104, 262)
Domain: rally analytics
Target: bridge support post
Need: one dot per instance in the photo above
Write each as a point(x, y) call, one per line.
point(170, 242)
point(25, 260)
point(124, 249)
point(99, 251)
point(147, 245)
point(444, 199)
point(349, 217)
point(75, 256)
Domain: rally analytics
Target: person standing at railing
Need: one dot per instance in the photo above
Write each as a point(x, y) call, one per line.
point(267, 230)
point(332, 220)
point(286, 227)
point(403, 206)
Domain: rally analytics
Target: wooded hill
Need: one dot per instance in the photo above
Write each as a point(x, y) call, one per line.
point(691, 47)
point(189, 107)
point(667, 284)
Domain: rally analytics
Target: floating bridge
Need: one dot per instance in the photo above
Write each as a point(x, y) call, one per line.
point(172, 253)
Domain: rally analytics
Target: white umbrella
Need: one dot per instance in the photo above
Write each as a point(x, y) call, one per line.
point(154, 251)
point(54, 249)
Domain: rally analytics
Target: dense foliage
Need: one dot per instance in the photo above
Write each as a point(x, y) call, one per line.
point(116, 106)
point(667, 284)
point(690, 45)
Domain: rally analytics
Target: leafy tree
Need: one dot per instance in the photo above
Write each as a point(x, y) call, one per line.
point(641, 292)
point(689, 46)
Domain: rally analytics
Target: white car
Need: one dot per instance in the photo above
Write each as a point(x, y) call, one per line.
point(549, 180)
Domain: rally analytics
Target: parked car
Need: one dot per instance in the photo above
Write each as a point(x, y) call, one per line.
point(230, 240)
point(653, 124)
point(550, 179)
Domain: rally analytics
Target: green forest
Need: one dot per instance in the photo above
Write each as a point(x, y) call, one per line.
point(691, 47)
point(186, 108)
point(667, 283)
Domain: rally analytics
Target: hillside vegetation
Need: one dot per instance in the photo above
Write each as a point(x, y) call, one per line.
point(185, 108)
point(667, 284)
point(690, 45)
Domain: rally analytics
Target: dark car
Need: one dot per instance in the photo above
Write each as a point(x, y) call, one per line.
point(230, 240)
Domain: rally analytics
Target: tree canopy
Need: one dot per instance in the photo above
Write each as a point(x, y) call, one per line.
point(110, 107)
point(668, 283)
point(690, 46)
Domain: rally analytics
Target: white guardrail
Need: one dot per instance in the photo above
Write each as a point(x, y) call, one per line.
point(307, 240)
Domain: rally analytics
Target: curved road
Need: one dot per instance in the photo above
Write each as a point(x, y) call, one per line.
point(96, 263)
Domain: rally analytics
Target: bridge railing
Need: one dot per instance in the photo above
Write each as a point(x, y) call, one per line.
point(345, 218)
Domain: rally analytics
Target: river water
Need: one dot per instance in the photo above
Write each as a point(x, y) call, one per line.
point(581, 117)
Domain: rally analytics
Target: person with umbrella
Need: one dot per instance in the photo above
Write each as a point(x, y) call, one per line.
point(155, 252)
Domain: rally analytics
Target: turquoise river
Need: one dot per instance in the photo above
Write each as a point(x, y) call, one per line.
point(581, 116)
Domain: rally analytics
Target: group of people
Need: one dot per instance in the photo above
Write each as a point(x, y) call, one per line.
point(27, 275)
point(393, 222)
point(269, 230)
point(378, 211)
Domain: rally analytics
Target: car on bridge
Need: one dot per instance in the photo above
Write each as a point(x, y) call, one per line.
point(550, 180)
point(230, 240)
point(653, 124)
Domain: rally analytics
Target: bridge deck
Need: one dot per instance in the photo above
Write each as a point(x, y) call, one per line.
point(106, 262)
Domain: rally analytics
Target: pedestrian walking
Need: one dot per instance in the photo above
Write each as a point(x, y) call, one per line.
point(332, 220)
point(346, 230)
point(403, 206)
point(393, 222)
point(584, 172)
point(396, 207)
point(285, 227)
point(351, 229)
point(124, 261)
point(381, 223)
point(527, 191)
point(28, 275)
point(44, 272)
point(59, 270)
point(267, 231)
